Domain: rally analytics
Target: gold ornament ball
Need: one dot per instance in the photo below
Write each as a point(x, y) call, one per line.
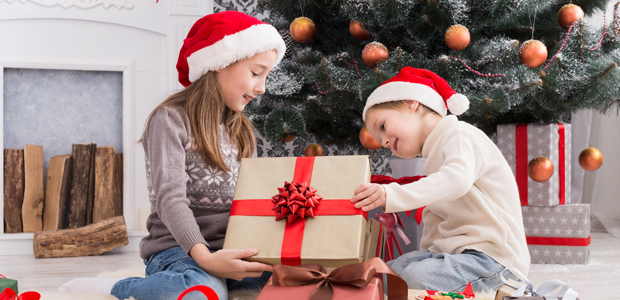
point(540, 169)
point(568, 14)
point(302, 29)
point(590, 159)
point(313, 150)
point(367, 140)
point(457, 37)
point(357, 31)
point(374, 53)
point(533, 53)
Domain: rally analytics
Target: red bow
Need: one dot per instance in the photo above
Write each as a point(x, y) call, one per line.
point(9, 294)
point(295, 200)
point(207, 291)
point(392, 223)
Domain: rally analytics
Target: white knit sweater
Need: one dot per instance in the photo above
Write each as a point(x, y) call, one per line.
point(470, 194)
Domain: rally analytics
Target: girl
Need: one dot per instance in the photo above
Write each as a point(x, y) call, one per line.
point(193, 143)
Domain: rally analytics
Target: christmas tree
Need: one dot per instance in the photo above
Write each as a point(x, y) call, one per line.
point(492, 51)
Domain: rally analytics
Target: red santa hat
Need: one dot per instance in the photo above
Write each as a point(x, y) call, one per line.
point(218, 40)
point(420, 85)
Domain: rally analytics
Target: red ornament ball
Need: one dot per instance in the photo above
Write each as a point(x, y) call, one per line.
point(540, 169)
point(367, 140)
point(590, 159)
point(457, 37)
point(286, 138)
point(533, 53)
point(357, 31)
point(374, 53)
point(569, 14)
point(313, 150)
point(302, 29)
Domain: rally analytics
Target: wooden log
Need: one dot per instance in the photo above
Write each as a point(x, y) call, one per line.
point(58, 174)
point(118, 184)
point(78, 188)
point(103, 205)
point(32, 208)
point(13, 190)
point(90, 200)
point(92, 239)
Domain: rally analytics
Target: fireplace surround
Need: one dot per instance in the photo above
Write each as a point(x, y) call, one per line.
point(139, 39)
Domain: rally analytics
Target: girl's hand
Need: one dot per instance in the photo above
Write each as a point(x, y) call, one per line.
point(227, 263)
point(369, 196)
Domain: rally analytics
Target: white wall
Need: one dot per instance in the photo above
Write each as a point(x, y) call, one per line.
point(601, 188)
point(140, 38)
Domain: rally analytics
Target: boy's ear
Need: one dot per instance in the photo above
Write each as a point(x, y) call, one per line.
point(412, 105)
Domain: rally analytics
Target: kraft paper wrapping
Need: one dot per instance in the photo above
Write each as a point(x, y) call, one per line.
point(374, 238)
point(331, 241)
point(542, 140)
point(557, 223)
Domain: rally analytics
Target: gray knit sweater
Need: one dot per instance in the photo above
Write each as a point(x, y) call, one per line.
point(190, 201)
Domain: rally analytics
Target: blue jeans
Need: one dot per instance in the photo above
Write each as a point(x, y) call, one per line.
point(171, 272)
point(448, 272)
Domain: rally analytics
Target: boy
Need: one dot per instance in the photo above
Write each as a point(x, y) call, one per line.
point(473, 226)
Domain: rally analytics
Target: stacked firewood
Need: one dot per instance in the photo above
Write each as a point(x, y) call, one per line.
point(81, 189)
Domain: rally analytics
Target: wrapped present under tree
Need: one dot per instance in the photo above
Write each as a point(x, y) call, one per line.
point(558, 234)
point(521, 143)
point(316, 221)
point(350, 282)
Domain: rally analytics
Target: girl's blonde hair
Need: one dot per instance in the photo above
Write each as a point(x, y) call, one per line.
point(204, 105)
point(401, 104)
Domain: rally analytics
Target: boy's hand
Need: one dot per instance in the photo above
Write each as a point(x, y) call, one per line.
point(369, 196)
point(228, 263)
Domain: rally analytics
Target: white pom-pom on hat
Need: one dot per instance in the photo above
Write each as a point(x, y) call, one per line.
point(458, 104)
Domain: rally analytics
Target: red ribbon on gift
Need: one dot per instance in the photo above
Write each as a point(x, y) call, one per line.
point(557, 241)
point(207, 291)
point(382, 179)
point(561, 146)
point(294, 232)
point(521, 161)
point(379, 241)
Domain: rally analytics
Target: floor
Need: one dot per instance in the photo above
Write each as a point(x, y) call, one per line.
point(597, 280)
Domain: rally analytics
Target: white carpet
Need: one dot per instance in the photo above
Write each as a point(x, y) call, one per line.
point(137, 271)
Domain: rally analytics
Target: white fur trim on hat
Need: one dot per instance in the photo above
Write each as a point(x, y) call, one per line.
point(458, 104)
point(400, 90)
point(232, 48)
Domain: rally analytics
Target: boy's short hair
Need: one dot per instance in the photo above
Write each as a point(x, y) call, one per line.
point(398, 105)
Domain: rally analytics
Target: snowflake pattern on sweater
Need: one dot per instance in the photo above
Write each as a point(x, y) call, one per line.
point(207, 184)
point(208, 188)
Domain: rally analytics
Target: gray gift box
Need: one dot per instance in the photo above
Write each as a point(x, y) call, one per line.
point(542, 140)
point(558, 234)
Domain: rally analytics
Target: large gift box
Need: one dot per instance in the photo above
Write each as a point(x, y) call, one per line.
point(520, 143)
point(351, 282)
point(297, 210)
point(558, 234)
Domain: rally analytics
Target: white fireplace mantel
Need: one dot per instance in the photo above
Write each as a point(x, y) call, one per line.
point(139, 38)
